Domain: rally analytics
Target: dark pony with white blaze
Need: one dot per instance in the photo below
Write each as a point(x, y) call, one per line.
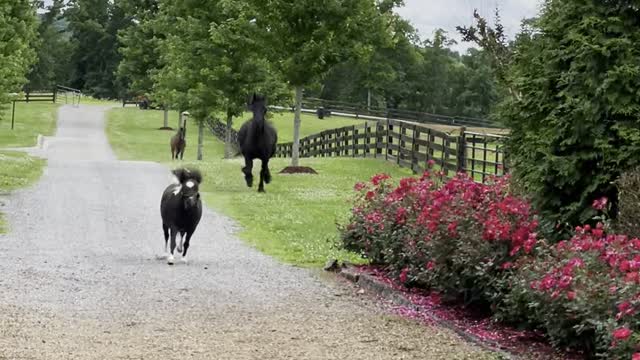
point(181, 210)
point(178, 143)
point(257, 139)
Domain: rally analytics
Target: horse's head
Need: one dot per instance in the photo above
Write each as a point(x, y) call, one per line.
point(190, 180)
point(258, 105)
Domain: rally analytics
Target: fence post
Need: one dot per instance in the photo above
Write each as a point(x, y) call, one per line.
point(354, 141)
point(55, 94)
point(27, 96)
point(386, 155)
point(414, 147)
point(462, 150)
point(13, 114)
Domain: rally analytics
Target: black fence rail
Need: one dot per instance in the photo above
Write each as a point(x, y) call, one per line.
point(358, 110)
point(219, 129)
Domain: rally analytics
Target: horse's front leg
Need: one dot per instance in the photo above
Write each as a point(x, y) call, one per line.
point(265, 169)
point(248, 167)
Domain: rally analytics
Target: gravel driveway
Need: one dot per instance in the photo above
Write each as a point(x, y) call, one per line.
point(80, 278)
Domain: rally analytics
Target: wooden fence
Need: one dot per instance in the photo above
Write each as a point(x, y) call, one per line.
point(407, 144)
point(359, 110)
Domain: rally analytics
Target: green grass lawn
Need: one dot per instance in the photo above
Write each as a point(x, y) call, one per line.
point(31, 119)
point(295, 221)
point(17, 170)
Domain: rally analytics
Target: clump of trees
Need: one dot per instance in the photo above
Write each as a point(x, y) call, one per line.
point(18, 31)
point(573, 108)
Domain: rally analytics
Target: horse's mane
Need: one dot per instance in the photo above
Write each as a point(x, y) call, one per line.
point(186, 174)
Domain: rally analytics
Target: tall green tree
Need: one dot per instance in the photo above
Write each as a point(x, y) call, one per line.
point(574, 124)
point(309, 37)
point(54, 50)
point(18, 30)
point(94, 25)
point(139, 45)
point(213, 54)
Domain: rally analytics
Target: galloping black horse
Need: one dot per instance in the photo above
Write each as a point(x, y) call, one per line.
point(257, 140)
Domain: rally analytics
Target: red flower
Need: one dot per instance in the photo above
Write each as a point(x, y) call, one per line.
point(430, 163)
point(622, 333)
point(377, 179)
point(635, 356)
point(403, 275)
point(359, 186)
point(370, 195)
point(507, 265)
point(571, 295)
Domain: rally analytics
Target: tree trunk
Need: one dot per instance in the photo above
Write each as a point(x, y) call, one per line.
point(166, 117)
point(295, 151)
point(179, 119)
point(228, 146)
point(368, 99)
point(200, 138)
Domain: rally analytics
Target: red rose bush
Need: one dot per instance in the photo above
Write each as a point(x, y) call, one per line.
point(478, 243)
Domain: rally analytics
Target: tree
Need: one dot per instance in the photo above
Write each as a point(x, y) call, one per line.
point(309, 37)
point(53, 50)
point(574, 124)
point(213, 50)
point(94, 25)
point(18, 30)
point(140, 49)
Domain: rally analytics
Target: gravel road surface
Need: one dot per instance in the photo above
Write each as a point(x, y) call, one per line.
point(80, 278)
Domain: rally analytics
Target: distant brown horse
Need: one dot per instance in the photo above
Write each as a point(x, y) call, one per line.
point(178, 143)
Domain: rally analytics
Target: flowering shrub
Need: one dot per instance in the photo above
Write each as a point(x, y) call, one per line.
point(585, 292)
point(478, 242)
point(457, 236)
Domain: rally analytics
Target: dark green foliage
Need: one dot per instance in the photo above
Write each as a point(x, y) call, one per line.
point(94, 25)
point(575, 115)
point(18, 28)
point(139, 45)
point(54, 50)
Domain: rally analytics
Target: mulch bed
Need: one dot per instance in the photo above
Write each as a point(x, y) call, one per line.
point(165, 128)
point(297, 170)
point(471, 324)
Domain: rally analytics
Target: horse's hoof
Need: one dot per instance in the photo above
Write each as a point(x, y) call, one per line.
point(261, 191)
point(170, 260)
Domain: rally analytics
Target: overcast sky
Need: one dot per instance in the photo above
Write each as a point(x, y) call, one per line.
point(428, 15)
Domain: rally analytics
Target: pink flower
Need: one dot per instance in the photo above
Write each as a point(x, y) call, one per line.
point(635, 356)
point(431, 265)
point(507, 265)
point(622, 333)
point(359, 186)
point(571, 295)
point(600, 204)
point(430, 163)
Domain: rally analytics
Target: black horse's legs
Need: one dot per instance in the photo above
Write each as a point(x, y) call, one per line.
point(265, 169)
point(179, 244)
point(165, 229)
point(248, 167)
point(261, 185)
point(172, 246)
point(186, 246)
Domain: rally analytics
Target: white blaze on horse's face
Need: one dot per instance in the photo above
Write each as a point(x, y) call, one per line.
point(190, 184)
